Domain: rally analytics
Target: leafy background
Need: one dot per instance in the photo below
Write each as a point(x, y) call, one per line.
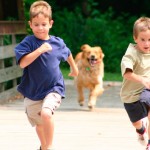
point(98, 23)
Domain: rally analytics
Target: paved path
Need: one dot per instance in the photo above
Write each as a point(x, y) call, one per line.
point(76, 128)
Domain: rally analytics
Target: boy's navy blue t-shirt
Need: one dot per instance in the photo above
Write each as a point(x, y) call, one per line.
point(43, 75)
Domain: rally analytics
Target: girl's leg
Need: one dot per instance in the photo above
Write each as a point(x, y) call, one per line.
point(40, 133)
point(48, 126)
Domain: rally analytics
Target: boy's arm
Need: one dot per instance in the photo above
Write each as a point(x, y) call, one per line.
point(29, 58)
point(130, 75)
point(74, 69)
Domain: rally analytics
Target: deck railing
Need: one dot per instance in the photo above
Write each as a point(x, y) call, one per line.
point(9, 75)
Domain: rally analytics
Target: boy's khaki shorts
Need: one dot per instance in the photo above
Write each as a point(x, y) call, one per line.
point(33, 108)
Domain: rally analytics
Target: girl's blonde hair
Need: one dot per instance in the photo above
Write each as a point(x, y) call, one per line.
point(142, 24)
point(40, 7)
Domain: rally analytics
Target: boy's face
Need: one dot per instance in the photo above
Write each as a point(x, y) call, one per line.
point(143, 41)
point(40, 26)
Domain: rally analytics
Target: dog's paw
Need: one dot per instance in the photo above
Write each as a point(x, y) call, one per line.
point(81, 103)
point(91, 104)
point(91, 107)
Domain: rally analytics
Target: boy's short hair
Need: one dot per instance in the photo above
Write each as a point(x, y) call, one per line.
point(142, 24)
point(40, 7)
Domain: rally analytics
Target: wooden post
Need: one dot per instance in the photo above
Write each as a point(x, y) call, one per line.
point(14, 59)
point(2, 88)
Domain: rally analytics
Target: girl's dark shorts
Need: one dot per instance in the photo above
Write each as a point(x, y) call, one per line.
point(136, 111)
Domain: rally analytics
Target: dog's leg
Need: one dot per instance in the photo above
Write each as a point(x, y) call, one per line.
point(94, 93)
point(80, 95)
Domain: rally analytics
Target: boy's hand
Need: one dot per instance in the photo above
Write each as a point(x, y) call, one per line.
point(74, 72)
point(44, 48)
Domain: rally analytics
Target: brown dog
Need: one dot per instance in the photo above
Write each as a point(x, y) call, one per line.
point(91, 73)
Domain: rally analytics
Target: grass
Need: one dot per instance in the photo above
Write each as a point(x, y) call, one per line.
point(107, 76)
point(112, 76)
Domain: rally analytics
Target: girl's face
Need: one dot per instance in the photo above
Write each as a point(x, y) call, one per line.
point(143, 41)
point(40, 26)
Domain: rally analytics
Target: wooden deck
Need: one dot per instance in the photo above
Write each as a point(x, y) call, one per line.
point(76, 128)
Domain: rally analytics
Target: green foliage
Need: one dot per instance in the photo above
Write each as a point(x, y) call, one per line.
point(108, 76)
point(69, 26)
point(112, 34)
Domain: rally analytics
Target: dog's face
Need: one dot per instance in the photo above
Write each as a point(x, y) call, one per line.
point(93, 55)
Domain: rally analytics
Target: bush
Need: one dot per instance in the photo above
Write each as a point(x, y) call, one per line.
point(112, 33)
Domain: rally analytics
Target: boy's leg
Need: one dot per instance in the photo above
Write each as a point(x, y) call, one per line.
point(33, 109)
point(139, 124)
point(41, 136)
point(48, 126)
point(138, 113)
point(141, 129)
point(148, 146)
point(40, 113)
point(50, 103)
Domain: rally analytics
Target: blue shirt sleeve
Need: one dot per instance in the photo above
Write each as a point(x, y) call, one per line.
point(64, 50)
point(22, 49)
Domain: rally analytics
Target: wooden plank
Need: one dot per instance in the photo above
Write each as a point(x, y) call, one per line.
point(10, 73)
point(7, 51)
point(20, 4)
point(12, 27)
point(6, 95)
point(1, 40)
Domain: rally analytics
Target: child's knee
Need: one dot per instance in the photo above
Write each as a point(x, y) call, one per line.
point(140, 123)
point(137, 124)
point(46, 113)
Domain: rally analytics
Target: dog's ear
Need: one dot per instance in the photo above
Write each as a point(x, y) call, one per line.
point(101, 51)
point(85, 47)
point(103, 55)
